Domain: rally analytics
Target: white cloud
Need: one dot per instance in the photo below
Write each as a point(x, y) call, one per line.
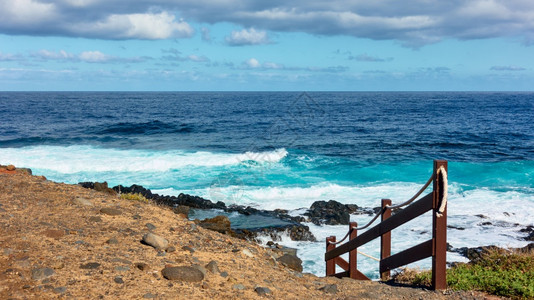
point(197, 58)
point(10, 57)
point(25, 13)
point(85, 56)
point(94, 57)
point(138, 26)
point(247, 37)
point(414, 22)
point(253, 63)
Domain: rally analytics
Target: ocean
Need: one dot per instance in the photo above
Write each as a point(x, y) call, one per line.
point(286, 150)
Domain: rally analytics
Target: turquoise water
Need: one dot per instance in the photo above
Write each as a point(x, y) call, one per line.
point(287, 150)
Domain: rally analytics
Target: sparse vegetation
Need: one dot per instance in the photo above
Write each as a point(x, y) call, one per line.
point(134, 197)
point(508, 274)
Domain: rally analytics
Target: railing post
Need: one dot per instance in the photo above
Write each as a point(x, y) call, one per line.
point(330, 264)
point(439, 231)
point(353, 254)
point(385, 239)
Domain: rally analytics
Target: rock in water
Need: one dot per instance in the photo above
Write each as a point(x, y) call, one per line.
point(219, 223)
point(155, 241)
point(329, 213)
point(291, 261)
point(188, 274)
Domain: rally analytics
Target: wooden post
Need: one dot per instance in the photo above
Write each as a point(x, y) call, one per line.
point(330, 264)
point(439, 231)
point(385, 240)
point(353, 255)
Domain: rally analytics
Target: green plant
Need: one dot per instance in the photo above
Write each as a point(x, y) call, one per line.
point(134, 197)
point(498, 272)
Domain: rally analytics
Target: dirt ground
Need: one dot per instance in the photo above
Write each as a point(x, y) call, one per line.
point(57, 242)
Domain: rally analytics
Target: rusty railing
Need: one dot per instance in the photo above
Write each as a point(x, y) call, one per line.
point(435, 247)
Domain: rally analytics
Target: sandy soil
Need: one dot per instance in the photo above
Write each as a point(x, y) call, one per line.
point(55, 242)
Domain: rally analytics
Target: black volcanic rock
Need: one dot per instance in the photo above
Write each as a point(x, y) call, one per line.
point(329, 213)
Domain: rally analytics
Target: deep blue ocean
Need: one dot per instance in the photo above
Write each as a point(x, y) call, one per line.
point(288, 149)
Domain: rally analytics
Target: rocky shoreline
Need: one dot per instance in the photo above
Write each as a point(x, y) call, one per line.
point(320, 213)
point(64, 241)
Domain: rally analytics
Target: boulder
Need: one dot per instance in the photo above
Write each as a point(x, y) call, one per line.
point(182, 210)
point(103, 187)
point(291, 261)
point(187, 274)
point(155, 241)
point(329, 213)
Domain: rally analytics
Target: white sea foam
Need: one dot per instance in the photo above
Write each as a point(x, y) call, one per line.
point(298, 197)
point(74, 159)
point(479, 216)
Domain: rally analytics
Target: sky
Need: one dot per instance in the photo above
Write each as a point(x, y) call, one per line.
point(251, 45)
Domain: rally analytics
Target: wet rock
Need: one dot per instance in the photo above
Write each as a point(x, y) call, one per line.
point(329, 213)
point(297, 232)
point(219, 223)
point(111, 211)
point(262, 291)
point(90, 266)
point(42, 273)
point(284, 250)
point(529, 230)
point(155, 241)
point(291, 261)
point(187, 274)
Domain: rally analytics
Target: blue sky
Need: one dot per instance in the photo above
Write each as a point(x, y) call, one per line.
point(242, 45)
